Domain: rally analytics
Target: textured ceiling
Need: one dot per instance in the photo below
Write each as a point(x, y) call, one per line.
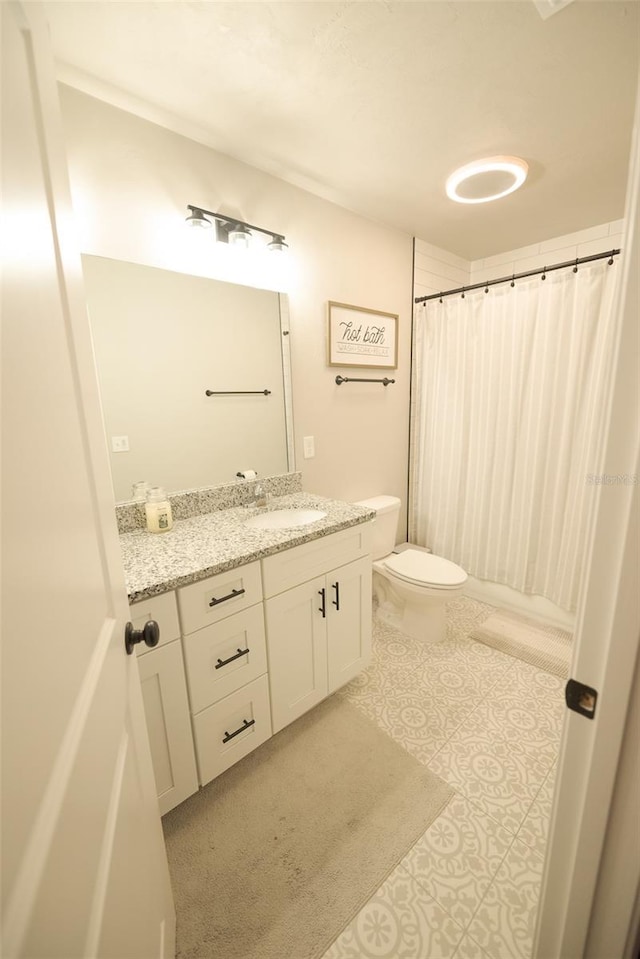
point(372, 104)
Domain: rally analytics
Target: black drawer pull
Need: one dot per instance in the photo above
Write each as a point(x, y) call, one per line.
point(336, 601)
point(223, 599)
point(245, 725)
point(322, 609)
point(225, 662)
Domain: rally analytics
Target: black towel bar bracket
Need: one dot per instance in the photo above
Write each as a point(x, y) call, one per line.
point(354, 379)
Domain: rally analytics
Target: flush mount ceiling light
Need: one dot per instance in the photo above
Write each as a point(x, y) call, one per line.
point(231, 230)
point(485, 180)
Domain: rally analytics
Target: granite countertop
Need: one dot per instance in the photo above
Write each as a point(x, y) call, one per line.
point(214, 542)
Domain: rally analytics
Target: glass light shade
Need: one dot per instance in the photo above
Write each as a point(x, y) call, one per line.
point(240, 235)
point(486, 180)
point(277, 244)
point(198, 219)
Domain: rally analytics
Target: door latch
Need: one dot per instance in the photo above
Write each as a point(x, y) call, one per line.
point(582, 699)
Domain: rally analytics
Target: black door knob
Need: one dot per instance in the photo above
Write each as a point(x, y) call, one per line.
point(149, 634)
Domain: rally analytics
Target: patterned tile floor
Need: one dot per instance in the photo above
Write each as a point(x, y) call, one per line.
point(490, 726)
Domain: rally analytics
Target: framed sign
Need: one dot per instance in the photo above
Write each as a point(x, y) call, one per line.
point(362, 337)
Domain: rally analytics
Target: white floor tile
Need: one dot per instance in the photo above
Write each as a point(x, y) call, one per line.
point(535, 828)
point(500, 778)
point(489, 725)
point(458, 857)
point(504, 924)
point(468, 948)
point(399, 922)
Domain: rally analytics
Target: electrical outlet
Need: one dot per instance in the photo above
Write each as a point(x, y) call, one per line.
point(309, 447)
point(120, 444)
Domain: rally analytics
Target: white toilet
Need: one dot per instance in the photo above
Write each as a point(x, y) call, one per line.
point(411, 586)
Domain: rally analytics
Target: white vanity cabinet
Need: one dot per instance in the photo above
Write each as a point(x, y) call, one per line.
point(318, 619)
point(244, 653)
point(226, 665)
point(166, 705)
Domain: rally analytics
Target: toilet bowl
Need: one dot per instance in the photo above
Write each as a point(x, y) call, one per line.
point(411, 586)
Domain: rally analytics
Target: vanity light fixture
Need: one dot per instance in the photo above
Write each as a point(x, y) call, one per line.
point(485, 180)
point(233, 231)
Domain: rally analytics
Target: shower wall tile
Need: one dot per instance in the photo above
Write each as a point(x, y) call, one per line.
point(595, 239)
point(572, 239)
point(509, 257)
point(436, 270)
point(438, 254)
point(613, 242)
point(429, 265)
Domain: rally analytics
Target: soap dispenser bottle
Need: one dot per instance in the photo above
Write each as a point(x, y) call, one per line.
point(260, 495)
point(158, 510)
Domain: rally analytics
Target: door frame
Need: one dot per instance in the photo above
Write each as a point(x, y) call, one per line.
point(590, 861)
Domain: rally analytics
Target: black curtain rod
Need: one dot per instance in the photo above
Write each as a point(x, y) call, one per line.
point(519, 276)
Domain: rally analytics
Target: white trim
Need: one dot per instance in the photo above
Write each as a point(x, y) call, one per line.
point(33, 862)
point(607, 643)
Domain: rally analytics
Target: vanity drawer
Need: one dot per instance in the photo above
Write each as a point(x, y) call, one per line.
point(214, 668)
point(164, 611)
point(232, 728)
point(219, 596)
point(294, 566)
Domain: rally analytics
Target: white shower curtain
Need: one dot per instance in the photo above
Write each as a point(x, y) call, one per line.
point(509, 388)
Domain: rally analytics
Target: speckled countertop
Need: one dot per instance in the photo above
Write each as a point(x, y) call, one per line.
point(214, 542)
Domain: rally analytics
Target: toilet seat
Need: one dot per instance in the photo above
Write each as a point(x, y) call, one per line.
point(424, 569)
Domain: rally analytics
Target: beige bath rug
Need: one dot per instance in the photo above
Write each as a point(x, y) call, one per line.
point(275, 857)
point(543, 646)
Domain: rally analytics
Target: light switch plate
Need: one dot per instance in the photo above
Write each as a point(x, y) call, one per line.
point(309, 447)
point(120, 444)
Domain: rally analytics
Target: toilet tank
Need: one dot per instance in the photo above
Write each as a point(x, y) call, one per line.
point(385, 526)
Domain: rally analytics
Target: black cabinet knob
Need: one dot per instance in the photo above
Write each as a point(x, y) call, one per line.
point(149, 634)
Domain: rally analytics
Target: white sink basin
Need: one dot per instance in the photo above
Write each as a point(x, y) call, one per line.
point(285, 518)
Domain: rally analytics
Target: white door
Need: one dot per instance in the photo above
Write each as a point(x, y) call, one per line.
point(589, 904)
point(83, 862)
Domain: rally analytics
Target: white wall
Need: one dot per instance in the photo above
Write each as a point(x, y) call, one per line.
point(131, 181)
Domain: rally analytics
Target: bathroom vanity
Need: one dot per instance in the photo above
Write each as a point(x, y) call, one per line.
point(257, 626)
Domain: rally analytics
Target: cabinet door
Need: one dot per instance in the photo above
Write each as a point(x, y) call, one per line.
point(349, 621)
point(164, 692)
point(297, 650)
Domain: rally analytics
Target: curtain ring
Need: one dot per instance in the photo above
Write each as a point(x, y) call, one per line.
point(441, 297)
point(575, 269)
point(486, 289)
point(544, 272)
point(610, 260)
point(513, 279)
point(462, 297)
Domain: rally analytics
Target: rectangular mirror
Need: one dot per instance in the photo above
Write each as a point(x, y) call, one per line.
point(161, 340)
